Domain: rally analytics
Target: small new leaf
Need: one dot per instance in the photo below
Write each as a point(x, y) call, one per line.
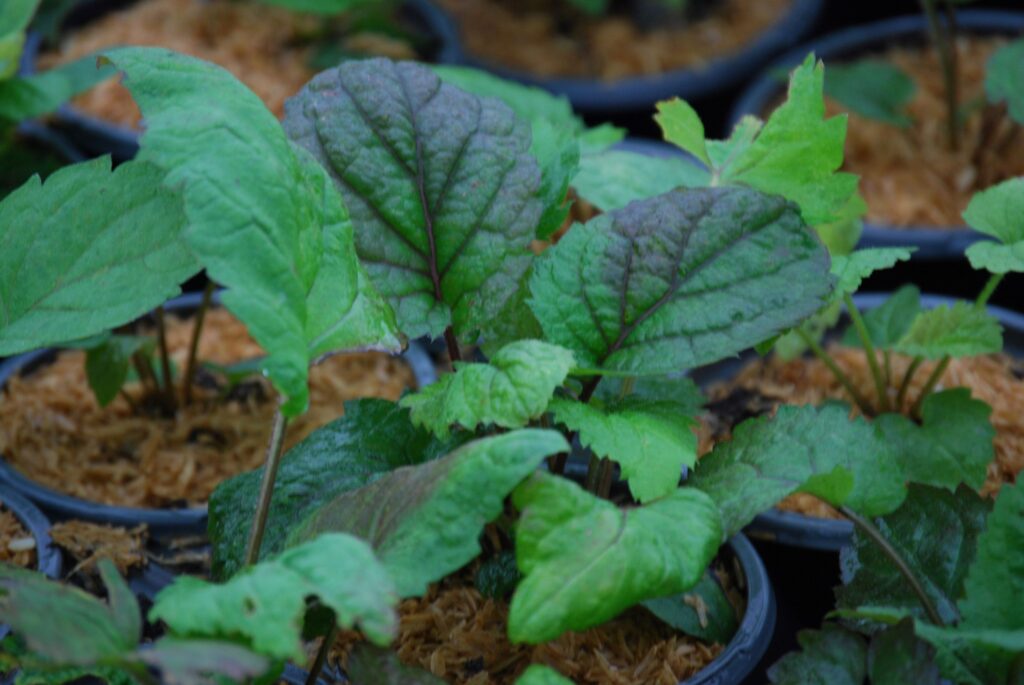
point(106, 365)
point(584, 560)
point(998, 212)
point(681, 125)
point(512, 389)
point(536, 674)
point(851, 270)
point(264, 605)
point(962, 330)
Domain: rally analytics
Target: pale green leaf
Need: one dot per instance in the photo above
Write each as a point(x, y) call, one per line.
point(614, 178)
point(558, 155)
point(263, 606)
point(1004, 78)
point(89, 250)
point(370, 665)
point(961, 330)
point(509, 391)
point(872, 88)
point(27, 97)
point(851, 270)
point(666, 283)
point(424, 521)
point(202, 662)
point(681, 125)
point(998, 212)
point(536, 674)
point(265, 220)
point(651, 441)
point(584, 560)
point(724, 152)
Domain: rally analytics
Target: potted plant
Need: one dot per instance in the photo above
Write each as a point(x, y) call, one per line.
point(935, 87)
point(620, 56)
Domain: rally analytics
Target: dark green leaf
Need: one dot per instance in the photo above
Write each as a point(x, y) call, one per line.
point(88, 250)
point(498, 576)
point(585, 560)
point(106, 365)
point(817, 450)
point(369, 665)
point(651, 441)
point(512, 389)
point(666, 283)
point(264, 604)
point(264, 217)
point(440, 184)
point(936, 532)
point(962, 330)
point(423, 521)
point(704, 612)
point(372, 438)
point(613, 178)
point(998, 212)
point(830, 656)
point(678, 389)
point(890, 321)
point(872, 88)
point(1004, 78)
point(952, 445)
point(897, 657)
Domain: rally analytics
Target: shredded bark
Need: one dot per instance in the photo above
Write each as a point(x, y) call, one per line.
point(533, 36)
point(87, 543)
point(17, 546)
point(460, 636)
point(52, 430)
point(911, 177)
point(995, 379)
point(267, 48)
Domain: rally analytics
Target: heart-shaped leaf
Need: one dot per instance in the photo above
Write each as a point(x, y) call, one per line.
point(998, 212)
point(1004, 78)
point(679, 280)
point(872, 88)
point(960, 330)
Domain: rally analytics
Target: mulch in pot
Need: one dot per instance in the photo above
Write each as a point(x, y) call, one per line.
point(545, 39)
point(269, 49)
point(911, 177)
point(765, 384)
point(17, 546)
point(53, 431)
point(461, 636)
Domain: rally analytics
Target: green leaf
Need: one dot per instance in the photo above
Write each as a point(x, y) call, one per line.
point(676, 389)
point(372, 438)
point(936, 532)
point(15, 16)
point(585, 560)
point(830, 656)
point(681, 125)
point(724, 152)
point(558, 154)
point(888, 322)
point(201, 662)
point(666, 283)
point(897, 657)
point(851, 270)
point(1004, 78)
point(704, 612)
point(872, 88)
point(952, 445)
point(72, 266)
point(106, 365)
point(512, 389)
point(91, 630)
point(995, 583)
point(498, 576)
point(614, 178)
point(536, 674)
point(817, 450)
point(325, 7)
point(440, 183)
point(27, 97)
point(264, 218)
point(998, 212)
point(798, 152)
point(263, 605)
point(962, 330)
point(369, 665)
point(423, 521)
point(651, 441)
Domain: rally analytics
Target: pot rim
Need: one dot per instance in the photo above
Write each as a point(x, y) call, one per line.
point(932, 242)
point(188, 520)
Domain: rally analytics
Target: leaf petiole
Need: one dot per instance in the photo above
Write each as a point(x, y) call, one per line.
point(273, 460)
point(990, 287)
point(905, 384)
point(929, 385)
point(943, 39)
point(843, 379)
point(193, 348)
point(167, 389)
point(321, 654)
point(869, 351)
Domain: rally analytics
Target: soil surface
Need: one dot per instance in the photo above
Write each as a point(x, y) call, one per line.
point(53, 431)
point(544, 39)
point(17, 546)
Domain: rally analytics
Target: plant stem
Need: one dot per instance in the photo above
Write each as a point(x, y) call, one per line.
point(605, 473)
point(905, 385)
point(869, 350)
point(869, 529)
point(836, 371)
point(594, 468)
point(193, 348)
point(128, 398)
point(273, 460)
point(943, 41)
point(588, 389)
point(888, 368)
point(322, 653)
point(167, 391)
point(453, 346)
point(144, 369)
point(929, 385)
point(990, 287)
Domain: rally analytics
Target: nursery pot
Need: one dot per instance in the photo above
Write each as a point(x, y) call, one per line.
point(37, 139)
point(98, 137)
point(857, 41)
point(808, 532)
point(640, 93)
point(161, 522)
point(49, 561)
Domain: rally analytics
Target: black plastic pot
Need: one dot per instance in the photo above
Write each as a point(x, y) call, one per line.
point(99, 137)
point(49, 561)
point(808, 532)
point(640, 93)
point(857, 41)
point(161, 522)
